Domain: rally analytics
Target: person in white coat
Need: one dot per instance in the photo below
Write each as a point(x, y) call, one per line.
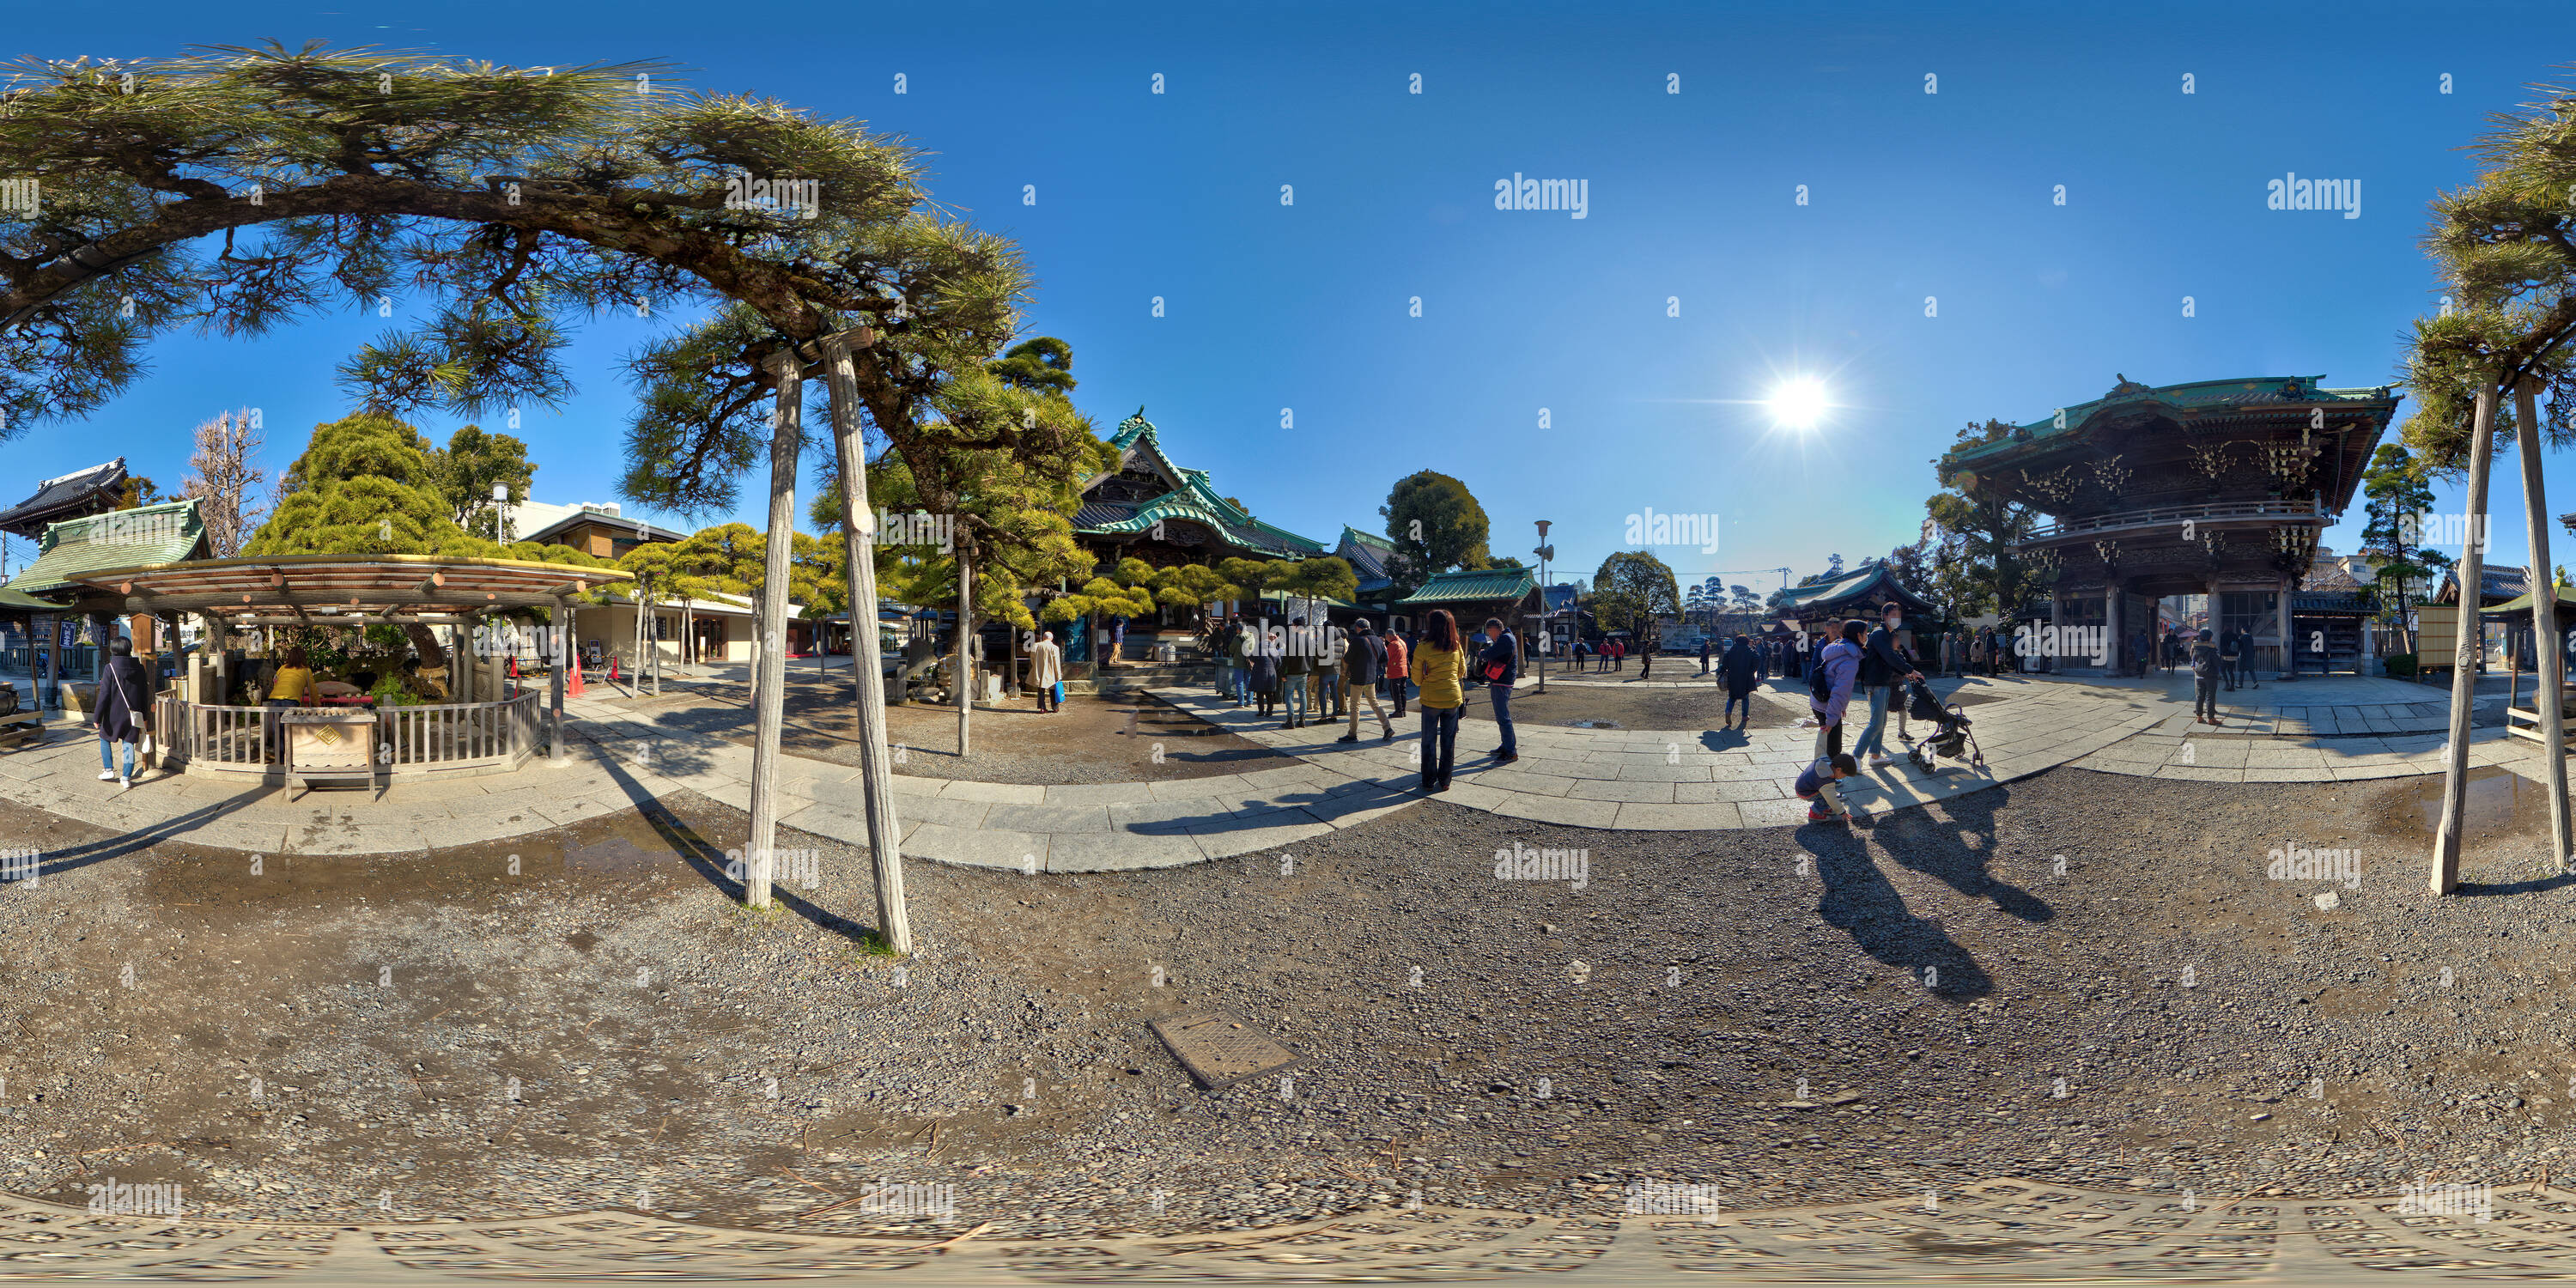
point(1046, 670)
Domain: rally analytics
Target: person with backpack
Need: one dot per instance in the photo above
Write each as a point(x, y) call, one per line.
point(2204, 681)
point(1399, 653)
point(1738, 670)
point(1363, 664)
point(1497, 668)
point(1439, 664)
point(1829, 690)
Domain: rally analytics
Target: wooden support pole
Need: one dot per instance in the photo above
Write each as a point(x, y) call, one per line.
point(2464, 662)
point(858, 531)
point(2545, 638)
point(965, 649)
point(769, 666)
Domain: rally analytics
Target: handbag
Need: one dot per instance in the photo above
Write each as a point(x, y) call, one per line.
point(1058, 695)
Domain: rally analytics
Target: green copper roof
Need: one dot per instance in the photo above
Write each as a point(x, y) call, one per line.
point(1854, 582)
point(152, 534)
point(1196, 498)
point(2248, 392)
point(1350, 533)
point(1474, 584)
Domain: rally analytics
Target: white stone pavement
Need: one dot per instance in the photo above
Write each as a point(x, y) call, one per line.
point(1598, 778)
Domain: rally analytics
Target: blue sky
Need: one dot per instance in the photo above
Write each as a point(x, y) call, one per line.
point(1305, 307)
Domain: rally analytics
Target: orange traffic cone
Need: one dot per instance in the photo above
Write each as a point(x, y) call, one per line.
point(576, 678)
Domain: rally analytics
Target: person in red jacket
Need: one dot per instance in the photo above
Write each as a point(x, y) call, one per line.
point(1399, 653)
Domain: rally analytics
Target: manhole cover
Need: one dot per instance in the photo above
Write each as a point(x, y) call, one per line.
point(1219, 1049)
point(1592, 724)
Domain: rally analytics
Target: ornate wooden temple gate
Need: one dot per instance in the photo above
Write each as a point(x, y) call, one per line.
point(2218, 487)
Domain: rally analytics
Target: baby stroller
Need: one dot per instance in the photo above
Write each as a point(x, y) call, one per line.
point(1949, 736)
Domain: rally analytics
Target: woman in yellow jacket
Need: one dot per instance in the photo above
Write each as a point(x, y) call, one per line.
point(1439, 664)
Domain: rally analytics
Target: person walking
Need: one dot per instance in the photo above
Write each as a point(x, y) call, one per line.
point(1263, 672)
point(1046, 670)
point(1399, 653)
point(124, 711)
point(1497, 668)
point(1883, 667)
point(2227, 657)
point(1646, 650)
point(2139, 643)
point(1363, 665)
point(2245, 647)
point(1705, 648)
point(1297, 664)
point(1829, 689)
point(1740, 670)
point(1328, 673)
point(1438, 667)
point(2204, 681)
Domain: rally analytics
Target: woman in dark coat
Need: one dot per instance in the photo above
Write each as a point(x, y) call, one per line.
point(1263, 673)
point(124, 709)
point(1741, 668)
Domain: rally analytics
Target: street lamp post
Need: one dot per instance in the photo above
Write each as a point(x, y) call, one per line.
point(1546, 626)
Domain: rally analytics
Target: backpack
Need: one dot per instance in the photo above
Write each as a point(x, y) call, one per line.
point(1820, 683)
point(2204, 663)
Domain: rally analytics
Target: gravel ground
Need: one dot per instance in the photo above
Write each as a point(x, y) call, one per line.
point(1092, 740)
point(1798, 1015)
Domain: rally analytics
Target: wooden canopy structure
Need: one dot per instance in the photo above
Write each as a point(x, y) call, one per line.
point(351, 590)
point(348, 590)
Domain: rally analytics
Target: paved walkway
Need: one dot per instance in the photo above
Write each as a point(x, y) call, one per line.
point(1627, 779)
point(2020, 1231)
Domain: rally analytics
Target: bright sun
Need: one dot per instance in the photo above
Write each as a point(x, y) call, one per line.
point(1798, 402)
